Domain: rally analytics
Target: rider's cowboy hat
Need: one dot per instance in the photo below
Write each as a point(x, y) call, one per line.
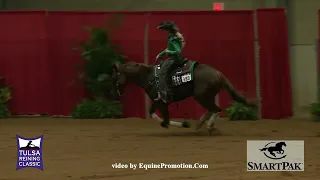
point(168, 25)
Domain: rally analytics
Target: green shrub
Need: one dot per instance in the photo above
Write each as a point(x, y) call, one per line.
point(239, 111)
point(4, 111)
point(97, 109)
point(98, 56)
point(5, 96)
point(315, 111)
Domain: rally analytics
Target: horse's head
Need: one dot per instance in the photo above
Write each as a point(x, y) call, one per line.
point(280, 144)
point(124, 73)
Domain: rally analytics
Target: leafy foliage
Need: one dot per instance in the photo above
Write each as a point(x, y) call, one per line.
point(315, 111)
point(5, 96)
point(239, 111)
point(4, 111)
point(99, 55)
point(97, 109)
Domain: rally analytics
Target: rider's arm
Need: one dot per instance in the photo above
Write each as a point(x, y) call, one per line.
point(183, 42)
point(162, 53)
point(176, 48)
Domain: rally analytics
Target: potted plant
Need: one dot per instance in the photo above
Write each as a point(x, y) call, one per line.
point(2, 82)
point(97, 109)
point(315, 111)
point(239, 111)
point(5, 96)
point(98, 56)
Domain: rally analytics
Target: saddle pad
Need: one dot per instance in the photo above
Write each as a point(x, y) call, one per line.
point(181, 75)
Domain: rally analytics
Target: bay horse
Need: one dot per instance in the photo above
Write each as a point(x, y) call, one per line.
point(190, 79)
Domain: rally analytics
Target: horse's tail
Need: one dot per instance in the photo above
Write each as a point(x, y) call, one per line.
point(263, 149)
point(233, 92)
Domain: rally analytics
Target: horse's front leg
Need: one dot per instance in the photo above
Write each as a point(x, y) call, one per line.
point(163, 108)
point(152, 110)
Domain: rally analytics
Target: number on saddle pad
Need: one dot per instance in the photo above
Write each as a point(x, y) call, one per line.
point(186, 78)
point(181, 79)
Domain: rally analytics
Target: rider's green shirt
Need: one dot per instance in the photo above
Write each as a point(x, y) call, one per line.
point(174, 46)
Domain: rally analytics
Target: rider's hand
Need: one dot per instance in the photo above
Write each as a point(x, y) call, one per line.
point(158, 57)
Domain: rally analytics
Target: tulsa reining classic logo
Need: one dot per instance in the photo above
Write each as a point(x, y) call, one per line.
point(29, 152)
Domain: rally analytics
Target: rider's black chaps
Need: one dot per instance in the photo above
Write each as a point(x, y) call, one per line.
point(166, 68)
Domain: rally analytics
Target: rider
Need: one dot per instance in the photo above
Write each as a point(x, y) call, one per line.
point(173, 51)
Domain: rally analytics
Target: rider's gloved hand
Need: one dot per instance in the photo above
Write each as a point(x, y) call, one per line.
point(157, 59)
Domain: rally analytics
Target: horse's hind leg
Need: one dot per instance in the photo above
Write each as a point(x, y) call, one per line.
point(213, 110)
point(203, 119)
point(213, 117)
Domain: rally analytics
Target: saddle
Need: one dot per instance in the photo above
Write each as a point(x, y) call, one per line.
point(182, 74)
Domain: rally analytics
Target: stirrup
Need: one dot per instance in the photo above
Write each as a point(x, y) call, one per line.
point(166, 97)
point(158, 98)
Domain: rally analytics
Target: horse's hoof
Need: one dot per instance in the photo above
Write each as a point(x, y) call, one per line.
point(164, 125)
point(210, 129)
point(186, 124)
point(198, 126)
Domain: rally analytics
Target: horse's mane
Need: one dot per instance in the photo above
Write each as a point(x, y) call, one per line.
point(137, 64)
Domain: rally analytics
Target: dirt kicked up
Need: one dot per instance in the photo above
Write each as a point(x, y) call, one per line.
point(88, 149)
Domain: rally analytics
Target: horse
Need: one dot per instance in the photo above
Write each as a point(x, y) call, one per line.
point(277, 148)
point(191, 78)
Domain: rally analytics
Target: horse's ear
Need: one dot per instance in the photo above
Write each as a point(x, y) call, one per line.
point(123, 57)
point(115, 67)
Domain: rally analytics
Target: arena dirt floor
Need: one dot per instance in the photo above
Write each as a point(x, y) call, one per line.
point(86, 149)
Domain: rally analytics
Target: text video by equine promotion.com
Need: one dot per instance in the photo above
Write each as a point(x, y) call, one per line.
point(147, 166)
point(262, 155)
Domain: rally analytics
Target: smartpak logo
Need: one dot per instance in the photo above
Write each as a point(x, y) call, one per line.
point(275, 155)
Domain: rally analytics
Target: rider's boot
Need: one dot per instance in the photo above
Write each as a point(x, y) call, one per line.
point(162, 94)
point(165, 96)
point(168, 91)
point(168, 95)
point(158, 97)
